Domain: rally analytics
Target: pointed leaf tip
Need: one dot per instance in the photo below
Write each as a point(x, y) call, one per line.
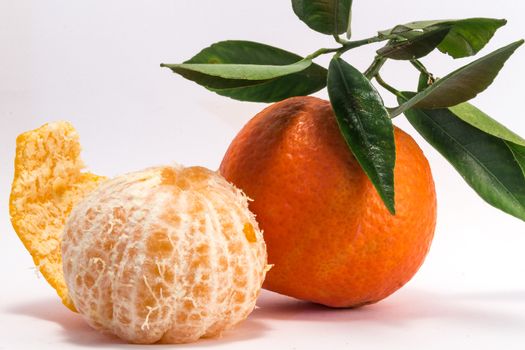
point(251, 71)
point(331, 17)
point(466, 37)
point(462, 84)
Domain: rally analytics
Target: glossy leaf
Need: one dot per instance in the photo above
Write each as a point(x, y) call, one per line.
point(299, 84)
point(477, 118)
point(240, 71)
point(243, 52)
point(466, 37)
point(211, 82)
point(463, 84)
point(519, 154)
point(417, 46)
point(330, 17)
point(271, 85)
point(485, 162)
point(365, 125)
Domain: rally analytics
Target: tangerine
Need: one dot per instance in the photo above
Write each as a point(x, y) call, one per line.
point(328, 234)
point(167, 254)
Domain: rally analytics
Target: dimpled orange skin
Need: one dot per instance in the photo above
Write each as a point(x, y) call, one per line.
point(328, 234)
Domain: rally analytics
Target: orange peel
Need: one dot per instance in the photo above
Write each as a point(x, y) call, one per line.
point(48, 182)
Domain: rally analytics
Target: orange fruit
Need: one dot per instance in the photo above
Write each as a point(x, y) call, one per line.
point(49, 180)
point(329, 236)
point(168, 254)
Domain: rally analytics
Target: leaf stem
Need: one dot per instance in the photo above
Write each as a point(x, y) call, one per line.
point(357, 43)
point(347, 45)
point(388, 87)
point(340, 40)
point(420, 67)
point(374, 68)
point(322, 51)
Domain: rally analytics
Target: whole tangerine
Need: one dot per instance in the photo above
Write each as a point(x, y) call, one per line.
point(168, 254)
point(329, 236)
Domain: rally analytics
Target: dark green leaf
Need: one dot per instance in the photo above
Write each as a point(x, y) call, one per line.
point(299, 84)
point(417, 46)
point(466, 37)
point(241, 71)
point(485, 162)
point(233, 82)
point(244, 52)
point(477, 118)
point(519, 154)
point(324, 16)
point(423, 82)
point(365, 125)
point(463, 84)
point(210, 82)
point(349, 24)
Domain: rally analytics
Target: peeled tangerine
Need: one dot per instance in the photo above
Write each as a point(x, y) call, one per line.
point(168, 254)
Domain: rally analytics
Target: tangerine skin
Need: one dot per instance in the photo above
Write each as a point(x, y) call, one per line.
point(49, 181)
point(329, 236)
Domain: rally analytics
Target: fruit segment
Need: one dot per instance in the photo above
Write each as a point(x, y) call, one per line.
point(49, 181)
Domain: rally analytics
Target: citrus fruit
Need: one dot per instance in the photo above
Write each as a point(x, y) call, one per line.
point(48, 182)
point(329, 236)
point(168, 254)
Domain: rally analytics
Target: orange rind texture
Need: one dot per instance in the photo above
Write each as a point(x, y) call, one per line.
point(48, 182)
point(329, 234)
point(168, 254)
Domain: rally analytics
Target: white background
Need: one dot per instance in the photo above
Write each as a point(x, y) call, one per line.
point(96, 63)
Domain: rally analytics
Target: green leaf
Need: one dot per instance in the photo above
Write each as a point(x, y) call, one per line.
point(230, 67)
point(417, 46)
point(365, 126)
point(466, 37)
point(330, 17)
point(210, 82)
point(463, 84)
point(423, 82)
point(519, 154)
point(485, 162)
point(241, 71)
point(349, 25)
point(469, 36)
point(299, 84)
point(477, 118)
point(244, 52)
